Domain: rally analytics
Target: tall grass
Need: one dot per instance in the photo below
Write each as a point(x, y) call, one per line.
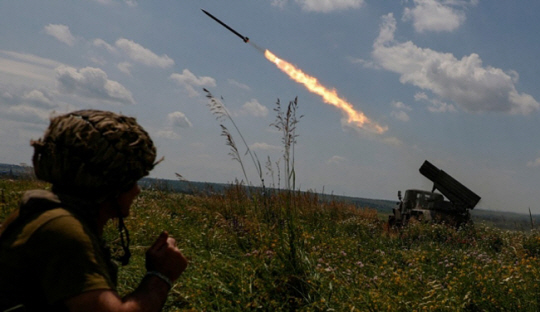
point(285, 213)
point(349, 262)
point(345, 259)
point(218, 108)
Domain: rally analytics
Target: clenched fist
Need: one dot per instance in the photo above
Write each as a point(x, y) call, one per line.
point(165, 257)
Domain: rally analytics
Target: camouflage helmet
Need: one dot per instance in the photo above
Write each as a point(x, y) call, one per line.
point(93, 154)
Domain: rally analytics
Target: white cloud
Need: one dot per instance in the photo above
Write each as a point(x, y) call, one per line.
point(39, 98)
point(392, 141)
point(336, 160)
point(124, 67)
point(98, 60)
point(435, 15)
point(401, 105)
point(188, 80)
point(27, 113)
point(464, 81)
point(534, 163)
point(178, 119)
point(135, 52)
point(61, 33)
point(140, 54)
point(435, 105)
point(26, 88)
point(30, 58)
point(174, 120)
point(31, 107)
point(130, 3)
point(25, 67)
point(279, 3)
point(400, 112)
point(400, 115)
point(103, 44)
point(264, 147)
point(364, 63)
point(238, 84)
point(168, 134)
point(93, 83)
point(326, 6)
point(254, 108)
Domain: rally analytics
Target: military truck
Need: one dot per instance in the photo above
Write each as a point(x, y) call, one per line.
point(433, 207)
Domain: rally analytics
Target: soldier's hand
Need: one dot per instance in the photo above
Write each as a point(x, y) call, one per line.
point(165, 257)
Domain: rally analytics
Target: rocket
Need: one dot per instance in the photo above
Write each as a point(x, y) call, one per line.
point(245, 39)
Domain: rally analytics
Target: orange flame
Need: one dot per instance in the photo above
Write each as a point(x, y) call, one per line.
point(329, 96)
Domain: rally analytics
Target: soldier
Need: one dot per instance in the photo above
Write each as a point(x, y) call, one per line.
point(52, 255)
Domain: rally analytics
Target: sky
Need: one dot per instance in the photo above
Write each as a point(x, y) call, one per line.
point(449, 81)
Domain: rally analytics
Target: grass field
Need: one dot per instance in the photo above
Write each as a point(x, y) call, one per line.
point(289, 251)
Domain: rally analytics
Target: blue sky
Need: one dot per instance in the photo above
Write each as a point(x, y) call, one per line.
point(451, 81)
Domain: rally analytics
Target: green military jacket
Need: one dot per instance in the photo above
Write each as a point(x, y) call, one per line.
point(51, 252)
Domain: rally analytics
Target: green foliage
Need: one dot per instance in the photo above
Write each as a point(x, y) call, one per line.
point(11, 192)
point(344, 259)
point(531, 244)
point(242, 258)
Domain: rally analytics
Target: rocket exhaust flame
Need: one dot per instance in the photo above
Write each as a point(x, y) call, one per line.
point(329, 96)
point(311, 83)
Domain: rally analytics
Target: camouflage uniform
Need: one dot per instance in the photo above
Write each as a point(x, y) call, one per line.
point(50, 249)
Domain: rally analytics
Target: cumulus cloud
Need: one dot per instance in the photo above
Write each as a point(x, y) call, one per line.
point(466, 82)
point(178, 119)
point(93, 83)
point(168, 134)
point(400, 111)
point(188, 80)
point(364, 63)
point(135, 52)
point(238, 84)
point(124, 67)
point(32, 107)
point(336, 160)
point(40, 98)
point(28, 114)
point(279, 3)
point(264, 147)
point(435, 105)
point(174, 120)
point(142, 55)
point(534, 163)
point(61, 33)
point(325, 6)
point(436, 15)
point(254, 108)
point(22, 68)
point(103, 44)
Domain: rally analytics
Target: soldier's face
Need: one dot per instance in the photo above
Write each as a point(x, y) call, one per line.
point(125, 199)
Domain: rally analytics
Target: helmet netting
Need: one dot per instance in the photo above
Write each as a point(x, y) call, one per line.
point(93, 154)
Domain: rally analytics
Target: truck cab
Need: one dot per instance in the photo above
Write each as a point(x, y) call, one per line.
point(420, 199)
point(431, 206)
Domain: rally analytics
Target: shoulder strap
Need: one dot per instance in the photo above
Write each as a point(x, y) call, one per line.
point(34, 221)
